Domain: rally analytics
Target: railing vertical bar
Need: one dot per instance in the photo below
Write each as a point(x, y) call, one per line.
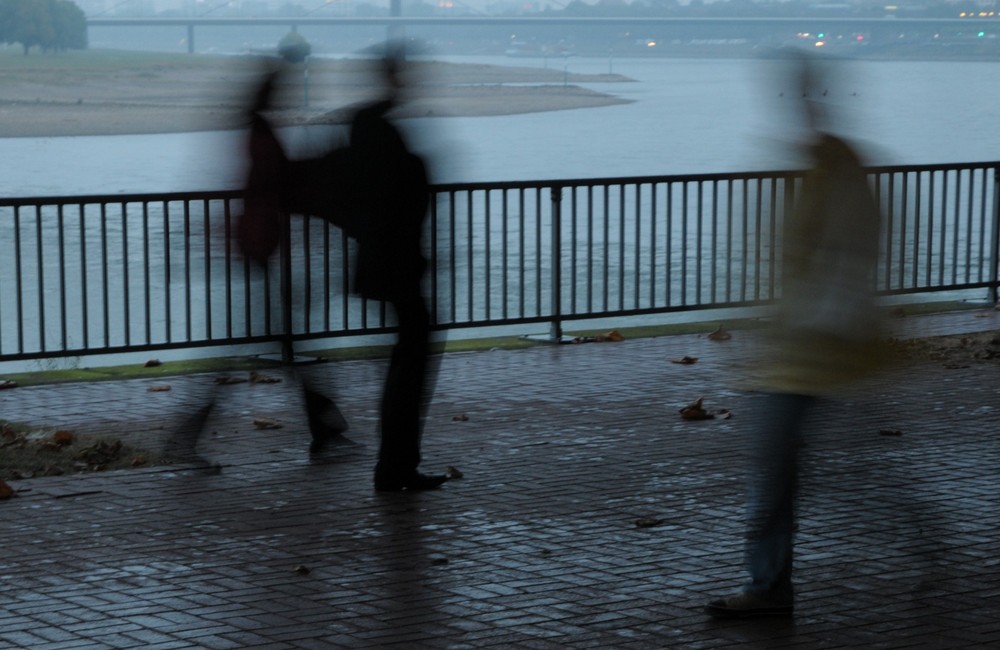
point(41, 277)
point(590, 248)
point(105, 290)
point(638, 245)
point(487, 253)
point(18, 275)
point(758, 216)
point(699, 233)
point(621, 246)
point(470, 259)
point(504, 262)
point(538, 252)
point(970, 224)
point(652, 243)
point(522, 251)
point(746, 241)
point(168, 324)
point(607, 248)
point(918, 206)
point(930, 231)
point(943, 245)
point(84, 288)
point(453, 258)
point(228, 261)
point(126, 294)
point(684, 242)
point(556, 256)
point(729, 240)
point(772, 238)
point(248, 306)
point(572, 251)
point(147, 287)
point(985, 181)
point(207, 264)
point(713, 272)
point(887, 255)
point(63, 321)
point(669, 244)
point(188, 320)
point(995, 238)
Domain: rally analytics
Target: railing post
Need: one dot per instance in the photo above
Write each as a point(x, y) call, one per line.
point(287, 350)
point(555, 331)
point(995, 252)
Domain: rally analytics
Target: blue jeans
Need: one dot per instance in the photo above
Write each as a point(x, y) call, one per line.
point(772, 491)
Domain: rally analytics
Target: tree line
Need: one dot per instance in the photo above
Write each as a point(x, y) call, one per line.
point(50, 25)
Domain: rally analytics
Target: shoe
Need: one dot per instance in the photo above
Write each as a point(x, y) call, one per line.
point(746, 604)
point(414, 481)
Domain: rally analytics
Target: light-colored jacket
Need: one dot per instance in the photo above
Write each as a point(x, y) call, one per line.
point(826, 331)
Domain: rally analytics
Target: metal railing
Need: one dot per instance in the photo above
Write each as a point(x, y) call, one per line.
point(99, 274)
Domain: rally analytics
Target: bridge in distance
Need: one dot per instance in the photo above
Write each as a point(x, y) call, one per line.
point(703, 24)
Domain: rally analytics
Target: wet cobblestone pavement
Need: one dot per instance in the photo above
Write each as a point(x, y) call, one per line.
point(590, 515)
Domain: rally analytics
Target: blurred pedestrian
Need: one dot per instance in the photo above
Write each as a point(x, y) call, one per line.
point(377, 190)
point(825, 335)
point(392, 201)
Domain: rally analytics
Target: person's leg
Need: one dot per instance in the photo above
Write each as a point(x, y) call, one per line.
point(772, 495)
point(773, 484)
point(403, 401)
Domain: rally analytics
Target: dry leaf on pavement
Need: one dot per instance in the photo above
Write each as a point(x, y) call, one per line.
point(453, 472)
point(158, 388)
point(7, 383)
point(695, 411)
point(6, 491)
point(460, 418)
point(720, 334)
point(647, 522)
point(266, 423)
point(152, 363)
point(685, 360)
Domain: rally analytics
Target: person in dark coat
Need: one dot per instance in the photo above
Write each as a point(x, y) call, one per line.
point(391, 199)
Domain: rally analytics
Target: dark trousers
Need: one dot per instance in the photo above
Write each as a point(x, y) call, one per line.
point(407, 387)
point(773, 489)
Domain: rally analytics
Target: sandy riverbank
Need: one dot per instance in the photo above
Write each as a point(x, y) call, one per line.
point(106, 94)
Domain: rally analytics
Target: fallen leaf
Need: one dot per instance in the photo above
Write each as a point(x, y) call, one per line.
point(453, 472)
point(695, 411)
point(266, 423)
point(6, 491)
point(724, 414)
point(890, 432)
point(227, 379)
point(685, 360)
point(158, 388)
point(647, 522)
point(8, 383)
point(720, 334)
point(460, 418)
point(301, 569)
point(152, 363)
point(138, 461)
point(62, 438)
point(260, 378)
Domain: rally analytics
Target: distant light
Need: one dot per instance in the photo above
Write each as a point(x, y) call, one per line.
point(651, 44)
point(860, 37)
point(981, 34)
point(820, 43)
point(820, 35)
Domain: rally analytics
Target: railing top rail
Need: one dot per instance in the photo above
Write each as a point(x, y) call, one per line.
point(559, 183)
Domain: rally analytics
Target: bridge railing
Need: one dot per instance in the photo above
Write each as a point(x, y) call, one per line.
point(87, 275)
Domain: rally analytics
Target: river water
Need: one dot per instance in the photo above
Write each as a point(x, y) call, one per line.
point(687, 116)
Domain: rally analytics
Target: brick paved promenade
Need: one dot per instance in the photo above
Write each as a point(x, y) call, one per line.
point(564, 450)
